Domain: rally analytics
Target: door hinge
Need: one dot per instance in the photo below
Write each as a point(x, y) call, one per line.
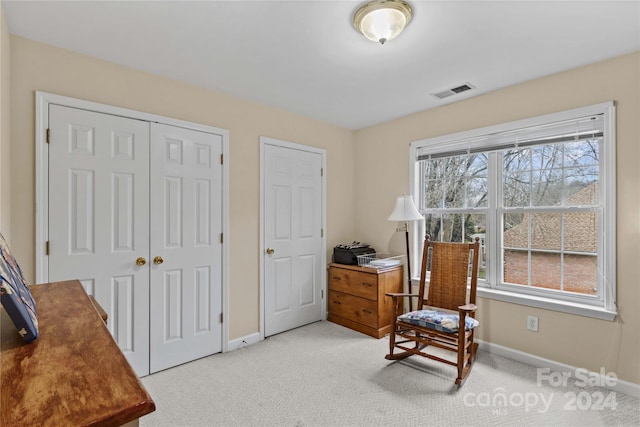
point(322, 232)
point(46, 247)
point(321, 171)
point(321, 293)
point(221, 237)
point(222, 159)
point(221, 317)
point(48, 135)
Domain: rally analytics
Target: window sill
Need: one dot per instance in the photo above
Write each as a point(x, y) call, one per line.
point(541, 302)
point(549, 304)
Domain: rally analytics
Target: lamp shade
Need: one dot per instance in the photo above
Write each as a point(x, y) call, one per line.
point(405, 210)
point(382, 20)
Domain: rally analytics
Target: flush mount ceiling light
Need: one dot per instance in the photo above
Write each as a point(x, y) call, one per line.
point(382, 20)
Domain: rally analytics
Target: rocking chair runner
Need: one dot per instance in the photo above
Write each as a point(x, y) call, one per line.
point(445, 317)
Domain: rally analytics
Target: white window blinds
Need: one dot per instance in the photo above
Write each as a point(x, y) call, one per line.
point(580, 129)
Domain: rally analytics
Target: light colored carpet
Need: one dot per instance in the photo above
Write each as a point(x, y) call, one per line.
point(326, 375)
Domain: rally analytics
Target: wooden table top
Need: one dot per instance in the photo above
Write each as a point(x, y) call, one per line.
point(74, 373)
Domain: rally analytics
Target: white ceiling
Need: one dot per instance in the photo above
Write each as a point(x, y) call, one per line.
point(306, 57)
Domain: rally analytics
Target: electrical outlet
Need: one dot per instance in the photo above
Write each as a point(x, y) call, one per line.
point(532, 323)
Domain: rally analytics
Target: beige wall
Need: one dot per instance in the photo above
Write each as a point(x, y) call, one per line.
point(5, 130)
point(36, 66)
point(574, 340)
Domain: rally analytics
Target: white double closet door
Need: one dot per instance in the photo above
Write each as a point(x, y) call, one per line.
point(135, 213)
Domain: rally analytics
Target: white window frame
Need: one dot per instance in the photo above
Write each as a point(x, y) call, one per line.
point(477, 138)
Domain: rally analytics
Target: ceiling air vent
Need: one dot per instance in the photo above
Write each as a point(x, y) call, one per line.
point(458, 89)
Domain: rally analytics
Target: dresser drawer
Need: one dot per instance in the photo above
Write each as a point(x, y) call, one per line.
point(356, 297)
point(364, 285)
point(354, 308)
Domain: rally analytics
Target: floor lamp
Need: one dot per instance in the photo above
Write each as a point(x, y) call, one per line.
point(406, 211)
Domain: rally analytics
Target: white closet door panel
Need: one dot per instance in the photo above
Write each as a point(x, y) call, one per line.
point(99, 217)
point(123, 188)
point(122, 308)
point(81, 193)
point(186, 223)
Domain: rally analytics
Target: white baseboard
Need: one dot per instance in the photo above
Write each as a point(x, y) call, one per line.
point(621, 386)
point(243, 341)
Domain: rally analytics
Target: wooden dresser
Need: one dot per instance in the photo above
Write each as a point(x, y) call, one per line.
point(74, 374)
point(357, 297)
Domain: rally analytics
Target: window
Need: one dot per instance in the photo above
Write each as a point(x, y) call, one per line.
point(540, 195)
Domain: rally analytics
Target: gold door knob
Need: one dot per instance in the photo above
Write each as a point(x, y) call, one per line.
point(158, 260)
point(270, 251)
point(141, 261)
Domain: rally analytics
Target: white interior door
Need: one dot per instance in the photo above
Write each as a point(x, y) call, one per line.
point(186, 227)
point(99, 218)
point(292, 238)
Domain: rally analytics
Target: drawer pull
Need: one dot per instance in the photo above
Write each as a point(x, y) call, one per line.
point(337, 302)
point(336, 278)
point(368, 285)
point(367, 311)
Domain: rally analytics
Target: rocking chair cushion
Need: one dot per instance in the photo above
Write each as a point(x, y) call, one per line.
point(442, 321)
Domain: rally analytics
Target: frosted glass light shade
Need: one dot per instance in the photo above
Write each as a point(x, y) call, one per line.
point(382, 20)
point(405, 210)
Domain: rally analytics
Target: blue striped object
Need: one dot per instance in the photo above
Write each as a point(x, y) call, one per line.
point(442, 321)
point(15, 295)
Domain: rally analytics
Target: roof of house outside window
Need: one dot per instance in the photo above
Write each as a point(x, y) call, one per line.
point(580, 228)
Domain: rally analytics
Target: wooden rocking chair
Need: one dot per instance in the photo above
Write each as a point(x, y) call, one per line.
point(445, 317)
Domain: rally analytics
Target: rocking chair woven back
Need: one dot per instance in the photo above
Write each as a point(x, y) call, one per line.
point(453, 269)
